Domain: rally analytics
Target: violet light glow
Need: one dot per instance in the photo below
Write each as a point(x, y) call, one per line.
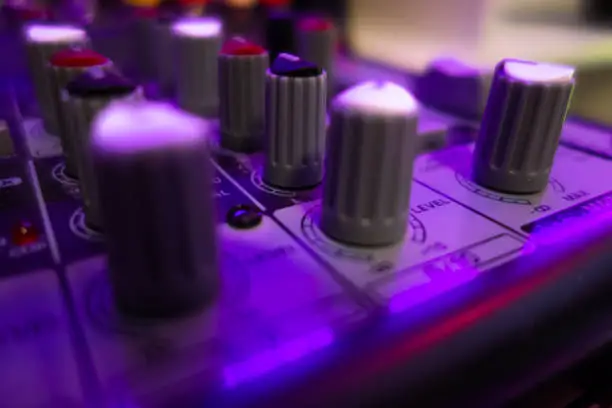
point(269, 360)
point(197, 27)
point(139, 126)
point(54, 33)
point(383, 98)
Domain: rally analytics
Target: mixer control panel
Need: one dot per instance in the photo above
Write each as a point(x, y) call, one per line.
point(249, 214)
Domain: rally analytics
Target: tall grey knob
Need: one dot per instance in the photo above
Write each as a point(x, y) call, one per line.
point(142, 42)
point(164, 61)
point(65, 65)
point(371, 146)
point(522, 123)
point(197, 42)
point(42, 41)
point(242, 94)
point(317, 42)
point(296, 96)
point(86, 95)
point(156, 194)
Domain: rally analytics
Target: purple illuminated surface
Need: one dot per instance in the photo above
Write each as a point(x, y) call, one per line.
point(271, 359)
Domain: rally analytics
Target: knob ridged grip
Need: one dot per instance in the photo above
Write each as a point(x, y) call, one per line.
point(368, 173)
point(242, 97)
point(295, 130)
point(65, 65)
point(156, 194)
point(521, 127)
point(85, 97)
point(197, 71)
point(41, 42)
point(316, 42)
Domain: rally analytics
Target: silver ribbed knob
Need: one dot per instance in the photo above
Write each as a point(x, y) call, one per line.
point(42, 41)
point(66, 65)
point(296, 95)
point(317, 42)
point(197, 42)
point(156, 193)
point(522, 123)
point(85, 96)
point(371, 146)
point(242, 94)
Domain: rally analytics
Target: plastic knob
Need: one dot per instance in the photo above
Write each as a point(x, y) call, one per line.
point(454, 87)
point(296, 97)
point(155, 179)
point(65, 66)
point(242, 94)
point(521, 127)
point(370, 151)
point(317, 42)
point(41, 42)
point(197, 42)
point(85, 96)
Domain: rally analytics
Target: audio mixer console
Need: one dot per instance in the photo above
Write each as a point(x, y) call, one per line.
point(304, 319)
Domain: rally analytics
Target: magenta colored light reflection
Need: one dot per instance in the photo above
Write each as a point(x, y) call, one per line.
point(271, 359)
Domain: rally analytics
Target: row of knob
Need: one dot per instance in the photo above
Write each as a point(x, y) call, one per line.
point(147, 178)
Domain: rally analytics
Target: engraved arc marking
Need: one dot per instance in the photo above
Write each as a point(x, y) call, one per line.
point(258, 182)
point(556, 185)
point(476, 189)
point(314, 236)
point(59, 174)
point(80, 229)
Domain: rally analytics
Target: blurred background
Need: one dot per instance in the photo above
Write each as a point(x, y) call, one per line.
point(408, 35)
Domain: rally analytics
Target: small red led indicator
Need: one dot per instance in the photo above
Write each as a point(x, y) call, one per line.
point(24, 233)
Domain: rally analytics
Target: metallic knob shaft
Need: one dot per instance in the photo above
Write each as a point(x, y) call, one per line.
point(522, 123)
point(156, 193)
point(197, 42)
point(317, 42)
point(371, 146)
point(296, 97)
point(42, 41)
point(86, 95)
point(242, 94)
point(65, 65)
